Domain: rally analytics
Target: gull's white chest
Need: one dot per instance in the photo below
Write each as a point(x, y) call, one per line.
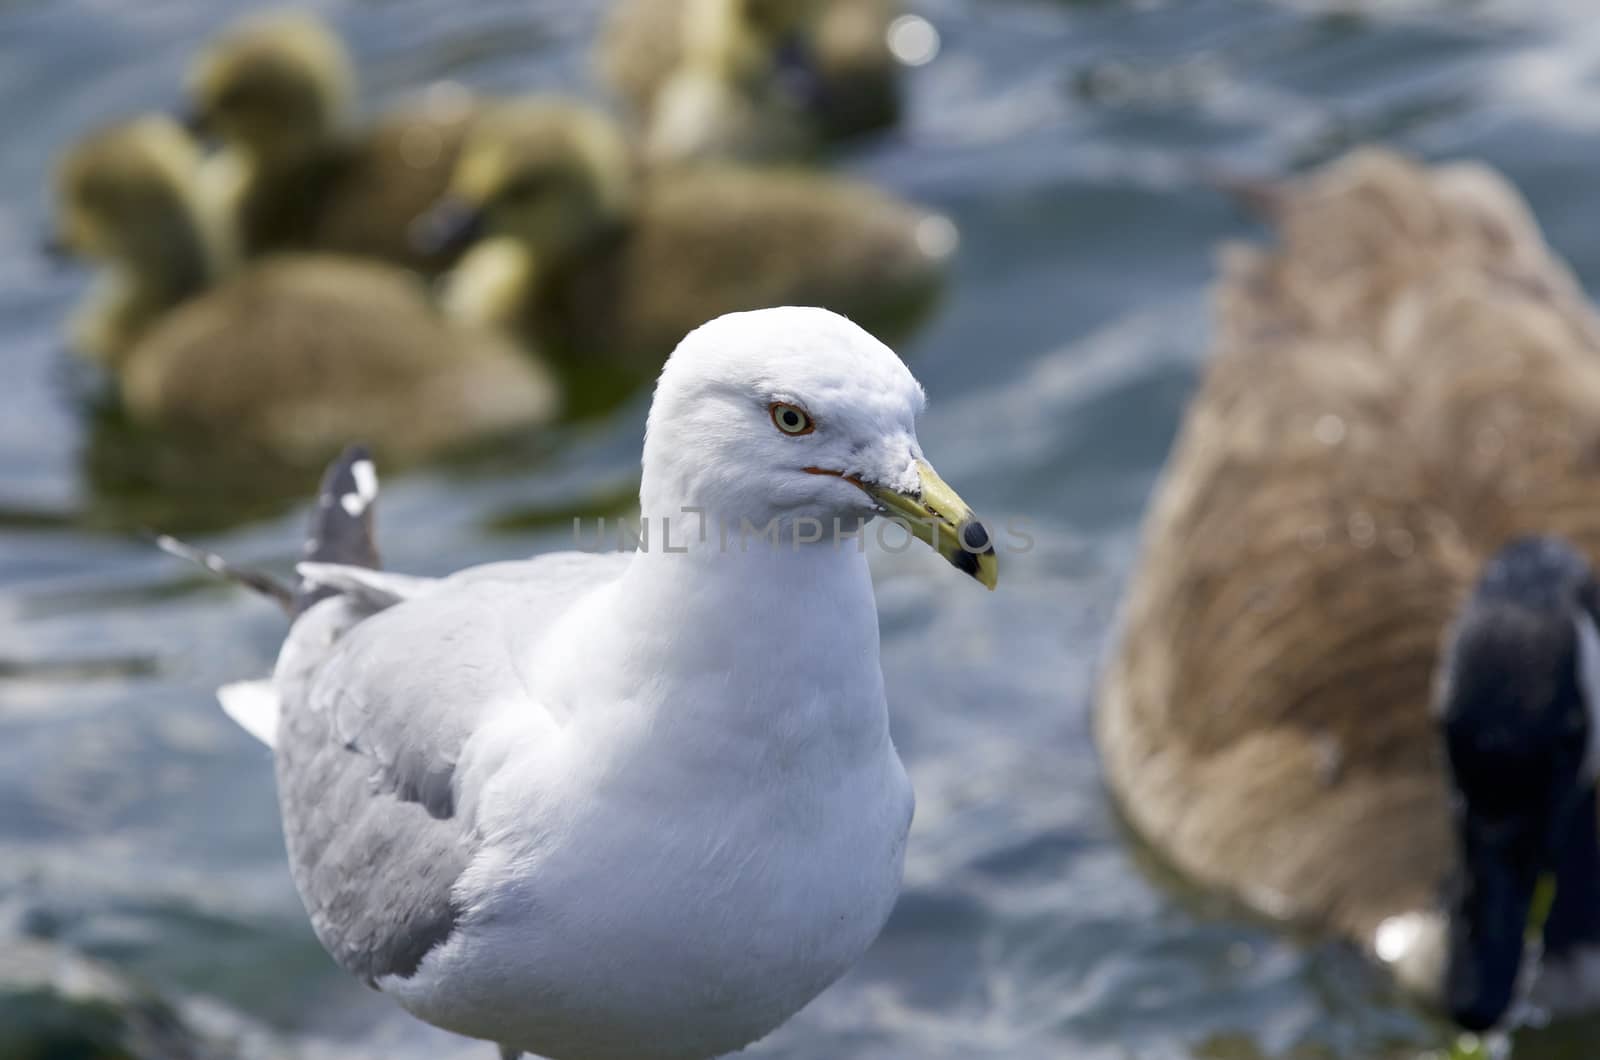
point(670, 905)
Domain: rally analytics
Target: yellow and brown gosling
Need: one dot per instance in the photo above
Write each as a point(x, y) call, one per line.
point(861, 48)
point(127, 198)
point(299, 354)
point(277, 92)
point(605, 268)
point(1357, 677)
point(752, 80)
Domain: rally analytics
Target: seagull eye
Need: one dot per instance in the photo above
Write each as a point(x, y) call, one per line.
point(791, 419)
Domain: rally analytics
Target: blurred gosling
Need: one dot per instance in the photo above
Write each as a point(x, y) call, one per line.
point(752, 80)
point(297, 355)
point(127, 198)
point(858, 68)
point(276, 91)
point(1358, 676)
point(605, 268)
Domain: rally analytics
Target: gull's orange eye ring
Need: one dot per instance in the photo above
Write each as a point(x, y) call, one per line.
point(791, 419)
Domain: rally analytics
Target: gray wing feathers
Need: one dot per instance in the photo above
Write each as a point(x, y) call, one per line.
point(366, 757)
point(375, 872)
point(378, 704)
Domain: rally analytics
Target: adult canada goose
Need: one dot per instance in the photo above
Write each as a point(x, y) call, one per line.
point(751, 79)
point(276, 91)
point(606, 268)
point(295, 355)
point(1358, 671)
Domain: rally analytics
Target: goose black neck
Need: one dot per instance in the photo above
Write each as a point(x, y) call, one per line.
point(1575, 917)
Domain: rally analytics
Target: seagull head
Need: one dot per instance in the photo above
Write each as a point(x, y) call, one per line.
point(797, 414)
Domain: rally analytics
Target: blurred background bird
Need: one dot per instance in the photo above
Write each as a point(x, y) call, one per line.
point(294, 355)
point(605, 266)
point(757, 80)
point(1358, 683)
point(294, 168)
point(579, 249)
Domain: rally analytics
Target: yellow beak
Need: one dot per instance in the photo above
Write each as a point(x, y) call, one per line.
point(935, 514)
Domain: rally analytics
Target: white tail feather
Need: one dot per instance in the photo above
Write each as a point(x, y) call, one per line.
point(254, 706)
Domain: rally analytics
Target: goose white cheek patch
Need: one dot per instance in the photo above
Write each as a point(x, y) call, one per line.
point(1589, 687)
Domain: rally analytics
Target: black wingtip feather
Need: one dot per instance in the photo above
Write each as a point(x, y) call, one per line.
point(341, 525)
point(341, 532)
point(257, 581)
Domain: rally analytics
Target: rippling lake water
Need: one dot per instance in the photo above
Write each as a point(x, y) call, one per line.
point(1068, 140)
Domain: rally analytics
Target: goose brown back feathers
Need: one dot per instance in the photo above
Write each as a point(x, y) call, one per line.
point(1406, 382)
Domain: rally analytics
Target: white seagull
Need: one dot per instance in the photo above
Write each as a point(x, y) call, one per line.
point(608, 806)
